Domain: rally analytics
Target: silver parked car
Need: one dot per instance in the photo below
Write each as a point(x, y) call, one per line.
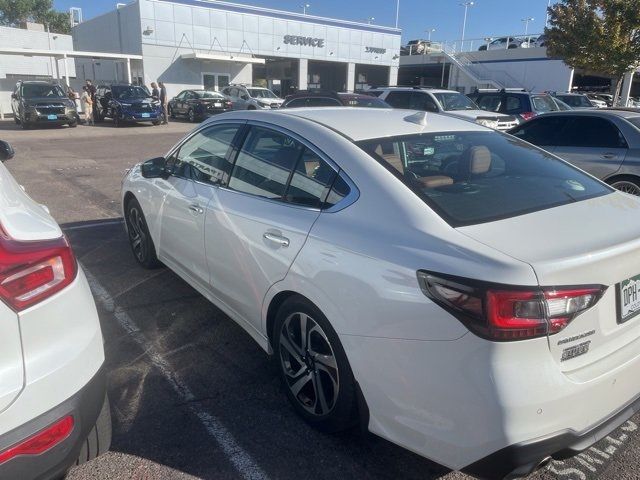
point(603, 142)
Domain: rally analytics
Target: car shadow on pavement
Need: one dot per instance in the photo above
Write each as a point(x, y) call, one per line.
point(190, 390)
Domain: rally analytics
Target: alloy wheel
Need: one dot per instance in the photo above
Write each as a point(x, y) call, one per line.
point(137, 235)
point(309, 364)
point(627, 186)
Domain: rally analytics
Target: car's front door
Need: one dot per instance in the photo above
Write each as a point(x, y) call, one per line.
point(196, 167)
point(261, 218)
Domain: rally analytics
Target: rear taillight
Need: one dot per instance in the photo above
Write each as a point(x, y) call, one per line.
point(31, 271)
point(497, 312)
point(527, 115)
point(40, 442)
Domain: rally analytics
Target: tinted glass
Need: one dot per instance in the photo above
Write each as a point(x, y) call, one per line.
point(261, 93)
point(399, 99)
point(422, 101)
point(364, 101)
point(313, 102)
point(455, 101)
point(476, 177)
point(208, 94)
point(265, 163)
point(37, 90)
point(543, 103)
point(205, 156)
point(514, 104)
point(576, 101)
point(129, 92)
point(544, 131)
point(594, 132)
point(339, 190)
point(311, 181)
point(491, 103)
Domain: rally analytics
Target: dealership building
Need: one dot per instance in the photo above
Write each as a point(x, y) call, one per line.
point(205, 44)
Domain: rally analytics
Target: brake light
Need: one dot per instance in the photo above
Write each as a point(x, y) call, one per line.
point(527, 115)
point(40, 442)
point(31, 271)
point(497, 312)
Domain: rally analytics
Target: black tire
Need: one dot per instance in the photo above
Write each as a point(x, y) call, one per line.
point(156, 122)
point(191, 115)
point(25, 125)
point(626, 184)
point(145, 251)
point(97, 117)
point(117, 122)
point(99, 439)
point(251, 107)
point(73, 124)
point(337, 383)
point(171, 112)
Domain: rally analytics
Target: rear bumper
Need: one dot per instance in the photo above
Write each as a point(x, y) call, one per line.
point(84, 406)
point(521, 459)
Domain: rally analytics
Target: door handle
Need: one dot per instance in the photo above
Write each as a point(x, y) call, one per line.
point(275, 238)
point(608, 155)
point(196, 208)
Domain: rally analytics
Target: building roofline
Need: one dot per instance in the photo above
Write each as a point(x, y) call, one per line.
point(283, 14)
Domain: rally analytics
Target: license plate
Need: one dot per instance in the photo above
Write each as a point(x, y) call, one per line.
point(146, 115)
point(628, 296)
point(217, 104)
point(52, 117)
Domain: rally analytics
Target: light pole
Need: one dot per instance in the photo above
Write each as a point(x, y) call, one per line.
point(397, 11)
point(429, 32)
point(466, 6)
point(546, 20)
point(526, 24)
point(304, 7)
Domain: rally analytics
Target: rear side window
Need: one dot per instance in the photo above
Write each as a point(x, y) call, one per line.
point(514, 104)
point(399, 99)
point(543, 131)
point(593, 132)
point(476, 177)
point(422, 101)
point(491, 103)
point(311, 181)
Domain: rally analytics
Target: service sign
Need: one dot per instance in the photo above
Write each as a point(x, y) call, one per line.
point(305, 41)
point(628, 296)
point(375, 50)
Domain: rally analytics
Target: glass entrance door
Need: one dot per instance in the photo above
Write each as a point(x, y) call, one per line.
point(215, 81)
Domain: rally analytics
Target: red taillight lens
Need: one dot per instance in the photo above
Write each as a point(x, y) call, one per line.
point(41, 441)
point(509, 314)
point(527, 115)
point(33, 271)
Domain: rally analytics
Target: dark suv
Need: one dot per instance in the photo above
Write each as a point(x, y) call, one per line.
point(126, 103)
point(519, 103)
point(41, 102)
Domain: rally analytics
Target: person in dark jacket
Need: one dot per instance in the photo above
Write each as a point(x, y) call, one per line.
point(164, 103)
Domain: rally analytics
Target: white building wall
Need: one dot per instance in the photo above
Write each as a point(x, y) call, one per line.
point(16, 67)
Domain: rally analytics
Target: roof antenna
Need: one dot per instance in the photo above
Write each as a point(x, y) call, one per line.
point(419, 118)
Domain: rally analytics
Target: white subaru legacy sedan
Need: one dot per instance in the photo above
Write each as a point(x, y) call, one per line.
point(467, 295)
point(54, 411)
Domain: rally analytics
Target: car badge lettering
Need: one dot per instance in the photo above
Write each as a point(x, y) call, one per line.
point(575, 351)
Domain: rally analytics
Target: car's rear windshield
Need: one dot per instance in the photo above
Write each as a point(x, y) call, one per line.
point(476, 177)
point(543, 103)
point(452, 101)
point(40, 90)
point(363, 101)
point(576, 101)
point(207, 94)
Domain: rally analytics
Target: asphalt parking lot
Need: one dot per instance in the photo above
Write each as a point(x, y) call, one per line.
point(192, 396)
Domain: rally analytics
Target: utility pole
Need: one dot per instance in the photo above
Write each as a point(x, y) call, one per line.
point(466, 6)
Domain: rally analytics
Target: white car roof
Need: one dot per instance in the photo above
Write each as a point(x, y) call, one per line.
point(367, 123)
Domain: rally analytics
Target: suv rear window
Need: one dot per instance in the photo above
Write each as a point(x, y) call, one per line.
point(476, 177)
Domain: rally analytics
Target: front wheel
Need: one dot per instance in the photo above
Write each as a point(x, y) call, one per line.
point(156, 122)
point(192, 115)
point(313, 367)
point(172, 114)
point(140, 240)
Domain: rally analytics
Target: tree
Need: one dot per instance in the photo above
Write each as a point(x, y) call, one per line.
point(597, 35)
point(14, 12)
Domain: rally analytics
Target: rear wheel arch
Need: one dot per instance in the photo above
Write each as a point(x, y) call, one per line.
point(633, 179)
point(274, 306)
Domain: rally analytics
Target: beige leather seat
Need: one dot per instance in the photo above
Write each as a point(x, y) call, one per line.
point(474, 161)
point(386, 152)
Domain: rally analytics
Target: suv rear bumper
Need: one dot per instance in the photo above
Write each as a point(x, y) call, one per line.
point(84, 406)
point(521, 459)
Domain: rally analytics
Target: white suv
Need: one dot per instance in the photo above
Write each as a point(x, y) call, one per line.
point(54, 411)
point(252, 98)
point(443, 101)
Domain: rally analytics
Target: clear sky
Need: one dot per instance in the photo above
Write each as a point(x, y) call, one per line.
point(486, 18)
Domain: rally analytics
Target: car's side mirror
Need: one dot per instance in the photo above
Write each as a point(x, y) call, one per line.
point(155, 168)
point(14, 96)
point(6, 151)
point(244, 97)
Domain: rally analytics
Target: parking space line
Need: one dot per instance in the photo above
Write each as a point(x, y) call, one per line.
point(241, 459)
point(92, 225)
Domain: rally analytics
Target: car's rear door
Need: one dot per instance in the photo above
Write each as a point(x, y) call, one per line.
point(259, 221)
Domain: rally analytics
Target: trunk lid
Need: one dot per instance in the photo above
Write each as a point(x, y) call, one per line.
point(22, 219)
point(592, 242)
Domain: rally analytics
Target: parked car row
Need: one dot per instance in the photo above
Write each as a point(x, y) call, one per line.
point(509, 43)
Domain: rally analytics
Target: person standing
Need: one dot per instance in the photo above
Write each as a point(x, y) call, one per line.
point(155, 93)
point(87, 106)
point(164, 103)
point(91, 90)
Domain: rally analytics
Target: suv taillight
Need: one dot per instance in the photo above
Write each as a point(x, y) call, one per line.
point(527, 115)
point(503, 313)
point(31, 271)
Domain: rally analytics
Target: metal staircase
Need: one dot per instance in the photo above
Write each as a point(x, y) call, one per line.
point(484, 77)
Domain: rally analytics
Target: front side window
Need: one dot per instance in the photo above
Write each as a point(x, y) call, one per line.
point(543, 131)
point(476, 177)
point(205, 157)
point(592, 132)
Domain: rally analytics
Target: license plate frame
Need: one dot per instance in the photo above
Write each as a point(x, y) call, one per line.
point(217, 104)
point(52, 117)
point(623, 316)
